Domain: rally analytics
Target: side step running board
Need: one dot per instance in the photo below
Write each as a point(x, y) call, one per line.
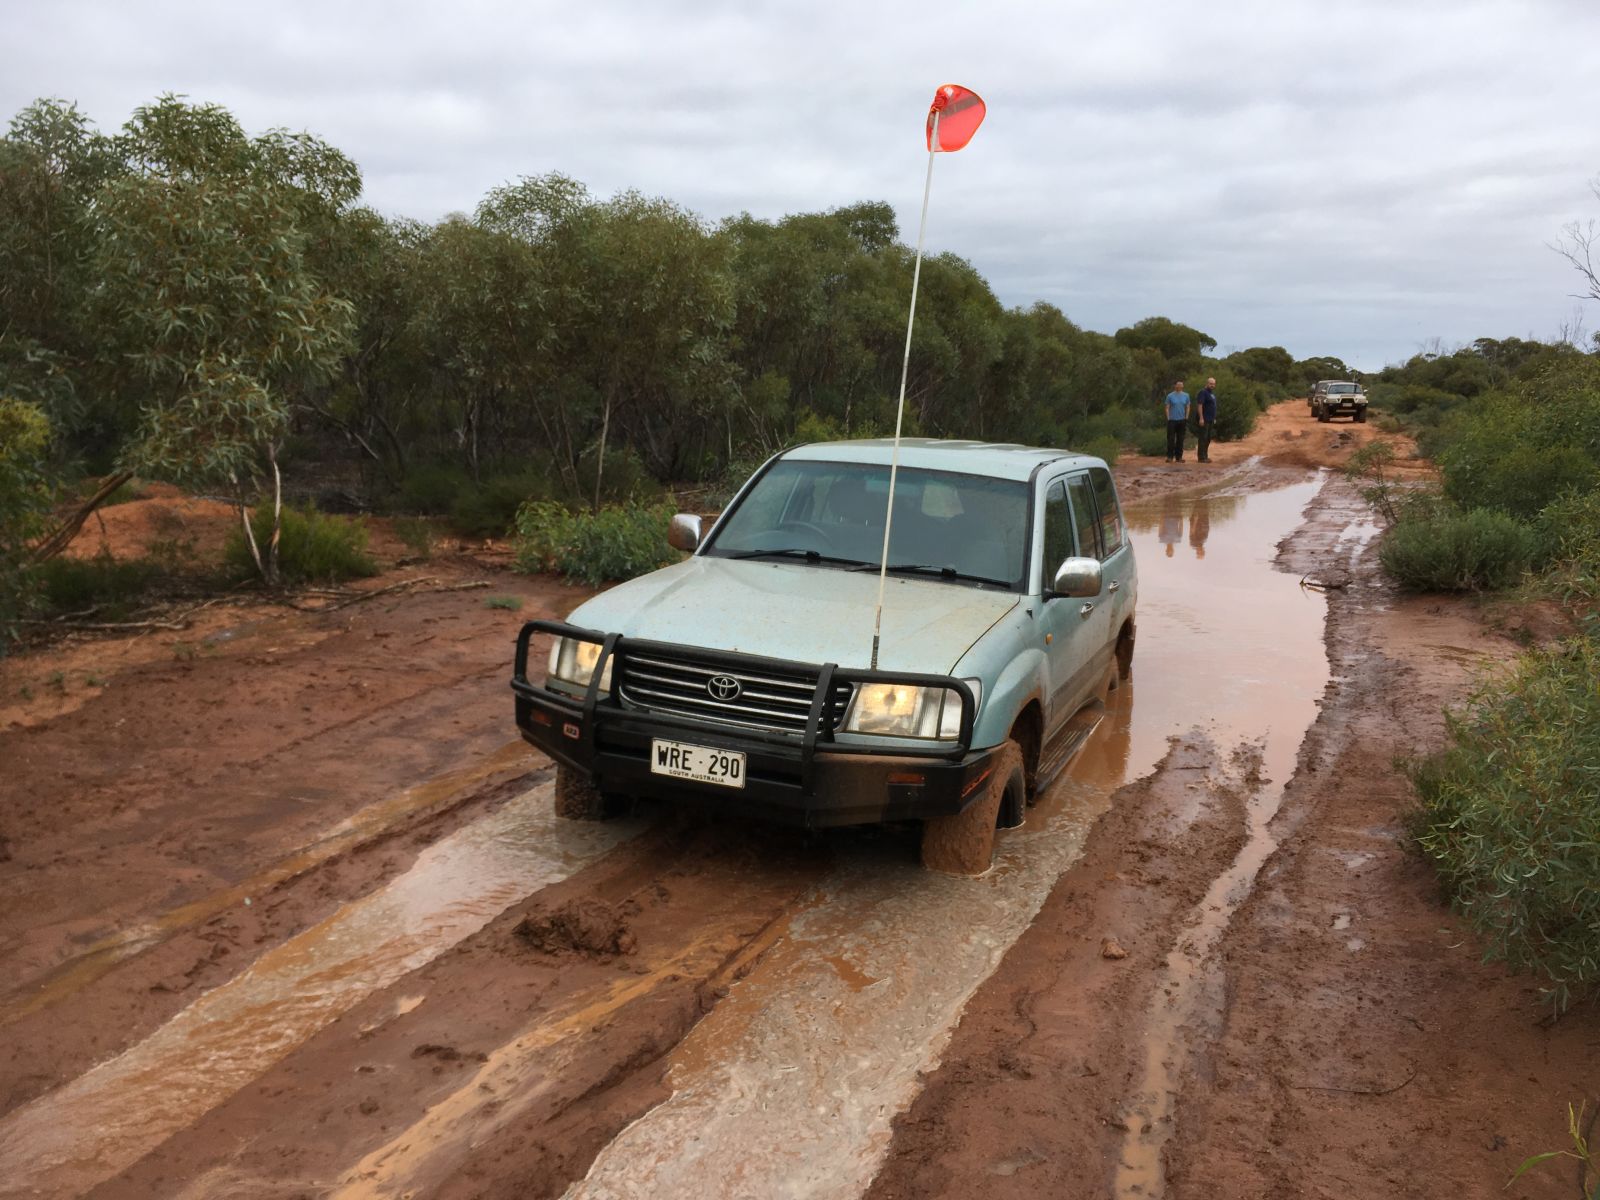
point(1067, 742)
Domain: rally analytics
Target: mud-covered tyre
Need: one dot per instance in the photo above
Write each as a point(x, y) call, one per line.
point(577, 798)
point(1361, 416)
point(964, 844)
point(1323, 417)
point(1124, 656)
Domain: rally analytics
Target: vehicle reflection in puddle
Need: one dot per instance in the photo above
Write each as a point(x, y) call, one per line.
point(1226, 642)
point(88, 1130)
point(789, 1086)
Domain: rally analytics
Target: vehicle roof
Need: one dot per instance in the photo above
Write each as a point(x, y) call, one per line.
point(999, 460)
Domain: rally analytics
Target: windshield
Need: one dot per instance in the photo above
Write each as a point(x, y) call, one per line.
point(962, 527)
point(1342, 389)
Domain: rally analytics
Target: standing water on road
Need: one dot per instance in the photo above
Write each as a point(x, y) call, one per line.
point(789, 1087)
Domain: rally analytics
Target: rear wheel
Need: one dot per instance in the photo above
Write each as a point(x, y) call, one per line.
point(964, 844)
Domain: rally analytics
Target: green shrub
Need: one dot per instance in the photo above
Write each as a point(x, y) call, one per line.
point(624, 480)
point(618, 542)
point(132, 490)
point(111, 585)
point(24, 502)
point(1569, 538)
point(1519, 451)
point(432, 491)
point(1105, 446)
point(476, 509)
point(1434, 550)
point(1510, 816)
point(417, 534)
point(490, 509)
point(313, 547)
point(1152, 443)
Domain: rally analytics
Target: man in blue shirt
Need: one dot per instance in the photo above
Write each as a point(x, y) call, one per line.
point(1205, 405)
point(1177, 414)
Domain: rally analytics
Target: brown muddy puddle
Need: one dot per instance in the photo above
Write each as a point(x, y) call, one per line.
point(67, 1141)
point(1249, 666)
point(105, 952)
point(789, 1086)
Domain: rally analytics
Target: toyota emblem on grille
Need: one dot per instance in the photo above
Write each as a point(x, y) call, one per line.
point(723, 687)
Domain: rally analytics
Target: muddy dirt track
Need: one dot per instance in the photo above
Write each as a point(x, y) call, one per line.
point(284, 911)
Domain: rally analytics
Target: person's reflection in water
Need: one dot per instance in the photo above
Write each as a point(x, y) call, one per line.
point(1199, 526)
point(1171, 523)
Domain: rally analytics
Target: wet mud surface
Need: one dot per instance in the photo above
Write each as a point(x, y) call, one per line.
point(336, 943)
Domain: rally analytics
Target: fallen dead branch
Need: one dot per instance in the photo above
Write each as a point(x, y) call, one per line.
point(1323, 585)
point(102, 626)
point(344, 598)
point(1356, 1091)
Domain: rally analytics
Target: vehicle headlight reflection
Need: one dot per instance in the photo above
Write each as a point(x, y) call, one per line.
point(572, 661)
point(908, 710)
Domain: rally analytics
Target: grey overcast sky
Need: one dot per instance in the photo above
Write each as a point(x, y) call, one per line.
point(1334, 176)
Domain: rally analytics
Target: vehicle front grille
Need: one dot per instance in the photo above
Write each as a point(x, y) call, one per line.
point(767, 699)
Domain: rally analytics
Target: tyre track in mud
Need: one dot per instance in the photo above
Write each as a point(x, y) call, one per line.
point(506, 1063)
point(125, 986)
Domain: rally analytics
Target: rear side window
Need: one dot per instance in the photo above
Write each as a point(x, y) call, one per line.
point(1110, 515)
point(1084, 516)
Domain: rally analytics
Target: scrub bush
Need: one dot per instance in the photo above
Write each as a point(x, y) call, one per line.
point(1510, 816)
point(313, 547)
point(618, 542)
point(114, 586)
point(1105, 447)
point(24, 502)
point(490, 509)
point(1152, 443)
point(1435, 549)
point(1569, 534)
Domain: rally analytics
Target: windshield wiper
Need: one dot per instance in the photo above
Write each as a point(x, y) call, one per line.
point(941, 572)
point(815, 556)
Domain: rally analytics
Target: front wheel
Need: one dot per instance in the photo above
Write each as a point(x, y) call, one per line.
point(1361, 415)
point(963, 844)
point(577, 798)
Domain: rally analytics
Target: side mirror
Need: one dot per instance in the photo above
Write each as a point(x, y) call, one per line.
point(683, 532)
point(1077, 577)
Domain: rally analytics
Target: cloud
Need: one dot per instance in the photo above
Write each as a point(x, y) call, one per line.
point(1350, 179)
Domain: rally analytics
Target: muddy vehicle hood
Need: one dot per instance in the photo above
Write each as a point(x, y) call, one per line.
point(795, 611)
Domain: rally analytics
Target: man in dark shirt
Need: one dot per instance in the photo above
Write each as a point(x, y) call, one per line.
point(1205, 405)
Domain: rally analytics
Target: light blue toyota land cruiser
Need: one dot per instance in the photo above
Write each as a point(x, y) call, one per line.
point(744, 675)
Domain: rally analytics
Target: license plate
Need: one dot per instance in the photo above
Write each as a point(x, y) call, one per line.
point(701, 764)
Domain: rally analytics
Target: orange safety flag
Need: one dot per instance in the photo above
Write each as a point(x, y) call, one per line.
point(960, 112)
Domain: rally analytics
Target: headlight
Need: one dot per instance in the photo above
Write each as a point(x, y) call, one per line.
point(572, 661)
point(907, 710)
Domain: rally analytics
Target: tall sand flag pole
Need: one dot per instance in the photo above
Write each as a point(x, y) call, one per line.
point(961, 111)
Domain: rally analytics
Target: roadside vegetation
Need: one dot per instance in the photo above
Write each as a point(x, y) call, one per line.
point(549, 347)
point(1510, 811)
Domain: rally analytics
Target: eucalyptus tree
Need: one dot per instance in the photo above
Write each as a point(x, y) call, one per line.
point(214, 319)
point(636, 302)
